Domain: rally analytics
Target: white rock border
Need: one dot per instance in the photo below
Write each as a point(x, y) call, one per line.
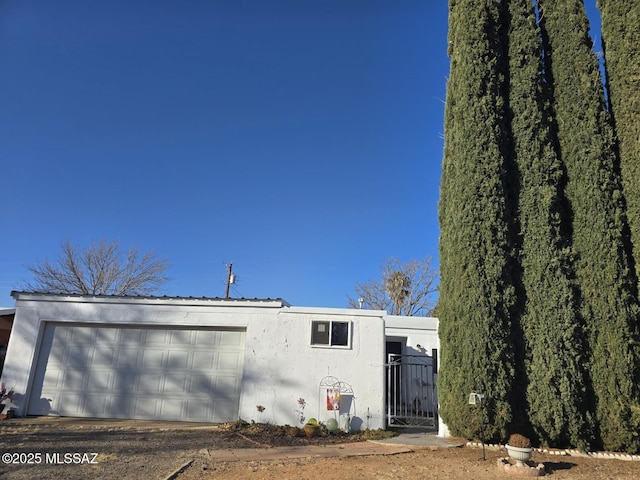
point(565, 452)
point(528, 470)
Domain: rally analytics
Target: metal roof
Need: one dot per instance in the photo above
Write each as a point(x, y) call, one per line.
point(16, 294)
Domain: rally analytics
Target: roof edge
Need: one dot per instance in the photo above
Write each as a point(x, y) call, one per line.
point(71, 297)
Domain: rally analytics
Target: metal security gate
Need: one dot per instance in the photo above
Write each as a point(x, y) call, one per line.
point(411, 391)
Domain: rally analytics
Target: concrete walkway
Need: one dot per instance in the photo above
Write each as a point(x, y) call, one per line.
point(407, 441)
point(317, 451)
point(418, 437)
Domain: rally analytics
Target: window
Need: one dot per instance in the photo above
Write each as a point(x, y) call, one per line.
point(333, 334)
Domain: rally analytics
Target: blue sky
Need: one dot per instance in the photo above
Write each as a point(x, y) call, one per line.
point(300, 140)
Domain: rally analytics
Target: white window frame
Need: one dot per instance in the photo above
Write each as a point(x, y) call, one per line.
point(330, 339)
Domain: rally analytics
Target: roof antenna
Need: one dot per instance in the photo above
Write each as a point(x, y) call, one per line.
point(231, 279)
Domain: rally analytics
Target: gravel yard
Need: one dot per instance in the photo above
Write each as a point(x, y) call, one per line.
point(124, 451)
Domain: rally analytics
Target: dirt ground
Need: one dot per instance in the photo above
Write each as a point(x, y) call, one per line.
point(440, 464)
point(428, 463)
point(139, 450)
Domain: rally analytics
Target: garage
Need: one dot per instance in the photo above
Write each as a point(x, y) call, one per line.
point(150, 372)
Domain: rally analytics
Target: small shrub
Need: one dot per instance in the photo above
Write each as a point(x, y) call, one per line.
point(379, 434)
point(520, 441)
point(238, 424)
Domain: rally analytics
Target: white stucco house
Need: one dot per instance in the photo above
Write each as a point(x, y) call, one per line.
point(217, 360)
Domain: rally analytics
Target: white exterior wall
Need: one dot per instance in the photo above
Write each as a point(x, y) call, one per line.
point(421, 333)
point(280, 365)
point(284, 367)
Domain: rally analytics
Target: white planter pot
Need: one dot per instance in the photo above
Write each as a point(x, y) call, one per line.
point(520, 455)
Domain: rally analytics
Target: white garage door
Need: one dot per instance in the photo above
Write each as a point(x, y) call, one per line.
point(147, 373)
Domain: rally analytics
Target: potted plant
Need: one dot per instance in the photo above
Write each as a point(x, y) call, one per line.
point(519, 449)
point(311, 428)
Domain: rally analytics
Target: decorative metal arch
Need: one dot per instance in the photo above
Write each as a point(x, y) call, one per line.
point(344, 388)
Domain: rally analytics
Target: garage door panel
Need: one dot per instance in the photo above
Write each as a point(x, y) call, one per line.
point(72, 402)
point(198, 405)
point(101, 380)
point(179, 359)
point(156, 337)
point(78, 356)
point(175, 383)
point(54, 376)
point(131, 336)
point(145, 406)
point(203, 339)
point(225, 384)
point(204, 359)
point(73, 380)
point(229, 361)
point(102, 357)
point(58, 352)
point(166, 406)
point(233, 339)
point(81, 335)
point(107, 335)
point(88, 404)
point(172, 374)
point(127, 356)
point(223, 409)
point(152, 358)
point(146, 384)
point(180, 337)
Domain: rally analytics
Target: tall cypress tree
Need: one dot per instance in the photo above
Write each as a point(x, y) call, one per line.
point(607, 285)
point(477, 294)
point(621, 44)
point(554, 335)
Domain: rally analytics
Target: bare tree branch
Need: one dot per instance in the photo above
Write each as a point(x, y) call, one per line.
point(403, 289)
point(100, 269)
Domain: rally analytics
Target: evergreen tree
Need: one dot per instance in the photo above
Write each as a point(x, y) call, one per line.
point(621, 44)
point(554, 335)
point(477, 295)
point(603, 270)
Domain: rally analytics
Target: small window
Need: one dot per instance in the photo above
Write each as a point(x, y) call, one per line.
point(330, 333)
